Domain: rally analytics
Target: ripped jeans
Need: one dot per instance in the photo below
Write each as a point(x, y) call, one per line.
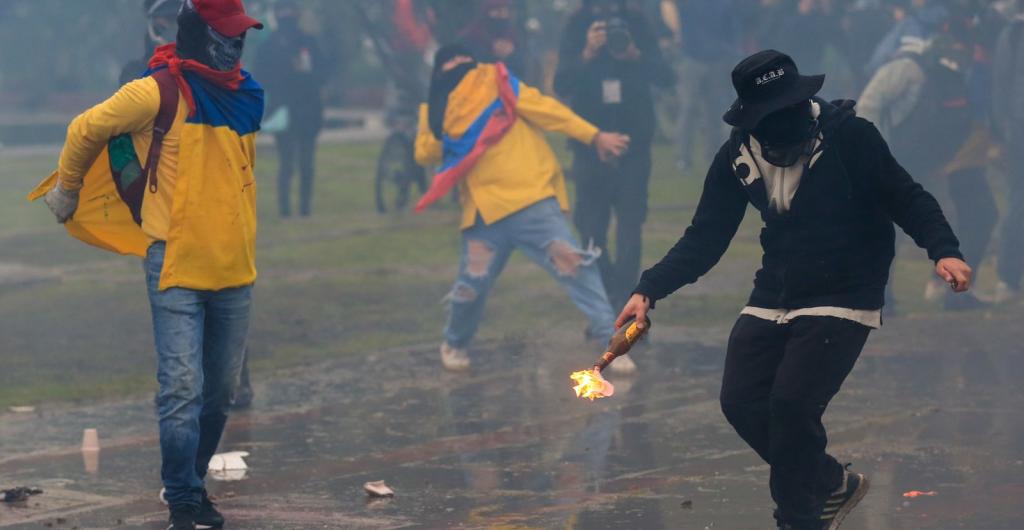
point(542, 232)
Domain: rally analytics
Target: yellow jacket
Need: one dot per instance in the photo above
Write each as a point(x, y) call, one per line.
point(205, 206)
point(521, 169)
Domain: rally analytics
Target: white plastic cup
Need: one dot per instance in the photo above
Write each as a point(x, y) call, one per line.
point(90, 440)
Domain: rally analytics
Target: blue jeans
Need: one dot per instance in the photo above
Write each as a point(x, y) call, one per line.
point(542, 232)
point(200, 339)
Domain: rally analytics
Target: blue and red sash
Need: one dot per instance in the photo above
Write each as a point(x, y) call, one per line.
point(487, 130)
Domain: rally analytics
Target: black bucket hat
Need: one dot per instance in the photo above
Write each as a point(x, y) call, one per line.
point(766, 82)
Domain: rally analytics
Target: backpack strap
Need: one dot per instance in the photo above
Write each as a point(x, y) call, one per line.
point(163, 123)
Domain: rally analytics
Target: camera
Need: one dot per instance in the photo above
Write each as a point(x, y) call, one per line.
point(619, 37)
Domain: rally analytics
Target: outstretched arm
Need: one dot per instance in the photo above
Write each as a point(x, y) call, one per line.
point(551, 115)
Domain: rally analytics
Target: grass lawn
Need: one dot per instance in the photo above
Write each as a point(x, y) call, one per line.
point(74, 322)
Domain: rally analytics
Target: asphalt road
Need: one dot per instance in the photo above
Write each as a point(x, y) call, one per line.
point(930, 407)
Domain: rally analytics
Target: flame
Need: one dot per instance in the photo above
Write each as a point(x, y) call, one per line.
point(590, 385)
point(915, 494)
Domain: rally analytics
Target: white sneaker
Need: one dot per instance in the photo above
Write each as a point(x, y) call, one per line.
point(1004, 293)
point(454, 359)
point(623, 365)
point(934, 290)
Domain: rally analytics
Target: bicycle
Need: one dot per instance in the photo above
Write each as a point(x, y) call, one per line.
point(398, 174)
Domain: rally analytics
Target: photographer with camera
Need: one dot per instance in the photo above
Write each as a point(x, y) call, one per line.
point(608, 61)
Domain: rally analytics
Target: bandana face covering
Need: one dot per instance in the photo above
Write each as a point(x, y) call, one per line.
point(224, 52)
point(786, 135)
point(199, 42)
point(442, 83)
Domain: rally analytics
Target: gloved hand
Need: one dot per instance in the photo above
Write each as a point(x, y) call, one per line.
point(62, 202)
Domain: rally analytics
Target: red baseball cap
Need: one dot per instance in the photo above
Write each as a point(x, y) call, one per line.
point(226, 17)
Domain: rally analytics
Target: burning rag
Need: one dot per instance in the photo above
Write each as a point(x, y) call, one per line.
point(487, 130)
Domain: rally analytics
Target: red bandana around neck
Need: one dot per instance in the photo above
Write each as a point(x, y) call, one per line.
point(167, 55)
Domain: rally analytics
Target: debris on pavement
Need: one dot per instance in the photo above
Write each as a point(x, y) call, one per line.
point(378, 489)
point(228, 466)
point(22, 409)
point(686, 505)
point(913, 494)
point(20, 494)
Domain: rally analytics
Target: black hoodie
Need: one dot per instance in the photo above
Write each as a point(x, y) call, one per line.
point(835, 245)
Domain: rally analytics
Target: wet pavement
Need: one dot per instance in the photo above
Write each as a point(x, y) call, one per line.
point(508, 446)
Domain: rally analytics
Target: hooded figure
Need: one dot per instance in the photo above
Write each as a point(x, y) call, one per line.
point(828, 191)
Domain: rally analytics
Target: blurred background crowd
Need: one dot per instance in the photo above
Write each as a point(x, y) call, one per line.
point(941, 78)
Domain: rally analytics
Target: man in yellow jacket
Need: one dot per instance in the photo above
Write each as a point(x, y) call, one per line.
point(195, 228)
point(487, 127)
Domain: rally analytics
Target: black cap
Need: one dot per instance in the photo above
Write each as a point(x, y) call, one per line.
point(766, 82)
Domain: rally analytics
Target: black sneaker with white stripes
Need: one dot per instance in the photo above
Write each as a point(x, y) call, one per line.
point(844, 500)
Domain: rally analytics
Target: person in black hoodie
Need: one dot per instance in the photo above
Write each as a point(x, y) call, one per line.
point(294, 70)
point(828, 191)
point(609, 84)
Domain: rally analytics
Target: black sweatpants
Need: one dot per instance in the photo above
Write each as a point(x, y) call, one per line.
point(778, 380)
point(602, 189)
point(296, 146)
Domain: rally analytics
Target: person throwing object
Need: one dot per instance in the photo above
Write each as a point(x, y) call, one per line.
point(486, 130)
point(828, 191)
